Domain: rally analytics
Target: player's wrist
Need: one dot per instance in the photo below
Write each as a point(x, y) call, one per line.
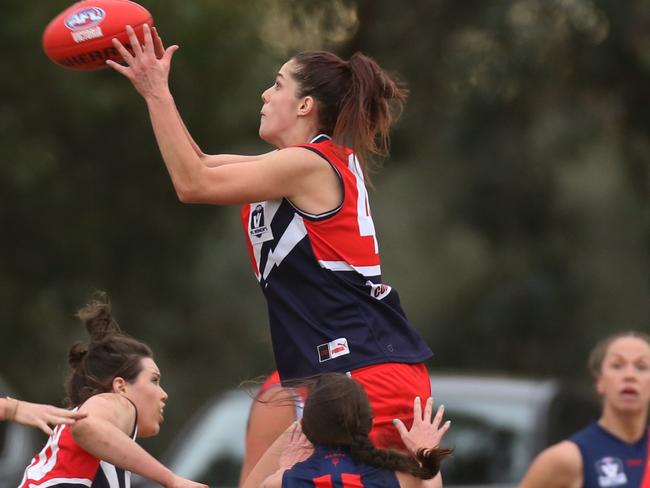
point(11, 408)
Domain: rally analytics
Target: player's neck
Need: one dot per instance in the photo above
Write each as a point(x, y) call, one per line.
point(628, 426)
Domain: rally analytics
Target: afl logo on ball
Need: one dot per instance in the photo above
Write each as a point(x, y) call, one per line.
point(84, 18)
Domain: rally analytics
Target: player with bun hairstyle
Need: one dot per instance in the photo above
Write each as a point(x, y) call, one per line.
point(613, 451)
point(335, 448)
point(306, 216)
point(115, 382)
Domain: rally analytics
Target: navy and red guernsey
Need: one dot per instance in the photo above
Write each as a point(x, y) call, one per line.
point(321, 276)
point(609, 462)
point(334, 468)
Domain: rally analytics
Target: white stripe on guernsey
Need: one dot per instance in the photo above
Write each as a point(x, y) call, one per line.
point(45, 464)
point(319, 136)
point(67, 481)
point(110, 473)
point(343, 266)
point(292, 235)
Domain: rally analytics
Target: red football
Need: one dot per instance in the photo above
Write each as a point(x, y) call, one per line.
point(80, 37)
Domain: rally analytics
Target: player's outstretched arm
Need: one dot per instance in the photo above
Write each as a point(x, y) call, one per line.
point(36, 414)
point(198, 178)
point(103, 433)
point(288, 449)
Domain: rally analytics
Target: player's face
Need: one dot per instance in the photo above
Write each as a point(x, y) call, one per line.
point(624, 380)
point(280, 110)
point(149, 398)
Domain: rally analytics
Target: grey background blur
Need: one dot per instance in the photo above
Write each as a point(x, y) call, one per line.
point(513, 215)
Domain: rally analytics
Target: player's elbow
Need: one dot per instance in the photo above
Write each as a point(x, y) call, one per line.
point(189, 193)
point(184, 196)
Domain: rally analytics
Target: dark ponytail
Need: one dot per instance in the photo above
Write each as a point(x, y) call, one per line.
point(357, 100)
point(424, 465)
point(109, 354)
point(337, 414)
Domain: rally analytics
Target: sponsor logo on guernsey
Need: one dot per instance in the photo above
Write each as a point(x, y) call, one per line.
point(378, 291)
point(610, 472)
point(84, 18)
point(333, 349)
point(257, 228)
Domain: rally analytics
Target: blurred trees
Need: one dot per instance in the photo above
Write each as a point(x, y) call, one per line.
point(513, 214)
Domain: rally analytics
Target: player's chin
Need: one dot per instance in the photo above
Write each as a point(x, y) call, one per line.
point(262, 132)
point(151, 429)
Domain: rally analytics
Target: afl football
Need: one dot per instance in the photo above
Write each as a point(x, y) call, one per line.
point(80, 37)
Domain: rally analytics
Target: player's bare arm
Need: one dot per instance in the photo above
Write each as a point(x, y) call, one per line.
point(559, 466)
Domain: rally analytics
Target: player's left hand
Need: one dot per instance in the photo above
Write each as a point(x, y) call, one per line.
point(148, 67)
point(426, 432)
point(298, 448)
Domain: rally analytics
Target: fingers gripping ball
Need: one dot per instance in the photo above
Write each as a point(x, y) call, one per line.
point(80, 37)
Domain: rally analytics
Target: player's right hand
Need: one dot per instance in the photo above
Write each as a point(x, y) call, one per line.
point(426, 432)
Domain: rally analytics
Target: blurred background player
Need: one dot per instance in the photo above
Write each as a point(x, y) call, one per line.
point(613, 451)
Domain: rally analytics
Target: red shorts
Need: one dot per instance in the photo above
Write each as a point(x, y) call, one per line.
point(392, 387)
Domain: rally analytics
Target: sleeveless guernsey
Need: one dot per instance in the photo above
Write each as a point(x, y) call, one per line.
point(334, 468)
point(608, 462)
point(63, 464)
point(321, 277)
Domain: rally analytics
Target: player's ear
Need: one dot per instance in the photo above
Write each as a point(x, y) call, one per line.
point(307, 105)
point(119, 385)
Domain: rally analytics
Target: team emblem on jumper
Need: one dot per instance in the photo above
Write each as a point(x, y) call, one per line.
point(334, 349)
point(610, 472)
point(378, 291)
point(257, 228)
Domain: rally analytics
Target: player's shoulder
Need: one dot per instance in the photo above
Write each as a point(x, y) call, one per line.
point(559, 465)
point(113, 407)
point(565, 453)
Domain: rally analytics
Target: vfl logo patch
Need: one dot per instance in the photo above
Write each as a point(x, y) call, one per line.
point(257, 228)
point(610, 472)
point(378, 291)
point(84, 18)
point(334, 349)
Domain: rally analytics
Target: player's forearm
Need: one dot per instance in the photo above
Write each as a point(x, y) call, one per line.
point(180, 153)
point(214, 160)
point(268, 465)
point(193, 143)
point(105, 441)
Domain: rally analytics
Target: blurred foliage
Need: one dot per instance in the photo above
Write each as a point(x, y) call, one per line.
point(513, 215)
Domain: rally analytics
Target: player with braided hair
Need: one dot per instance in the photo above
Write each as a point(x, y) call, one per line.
point(330, 446)
point(114, 380)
